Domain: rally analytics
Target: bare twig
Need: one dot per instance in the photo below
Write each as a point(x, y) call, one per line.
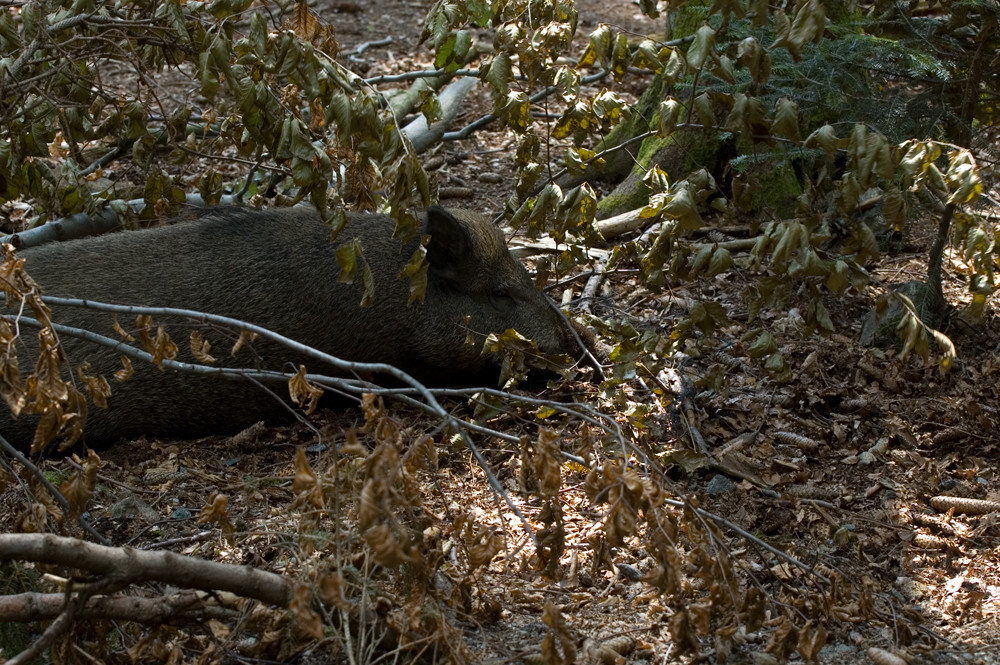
point(468, 130)
point(364, 46)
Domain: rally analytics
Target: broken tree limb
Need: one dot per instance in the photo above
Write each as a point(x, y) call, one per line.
point(85, 224)
point(423, 136)
point(184, 606)
point(618, 225)
point(125, 564)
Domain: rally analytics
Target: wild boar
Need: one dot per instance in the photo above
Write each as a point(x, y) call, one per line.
point(277, 269)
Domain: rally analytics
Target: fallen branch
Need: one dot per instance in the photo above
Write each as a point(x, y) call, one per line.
point(184, 606)
point(86, 224)
point(126, 565)
point(422, 135)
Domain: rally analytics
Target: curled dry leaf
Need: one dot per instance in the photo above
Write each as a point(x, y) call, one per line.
point(811, 640)
point(217, 510)
point(559, 633)
point(388, 550)
point(369, 508)
point(79, 487)
point(34, 518)
point(423, 453)
point(49, 386)
point(125, 373)
point(681, 632)
point(481, 542)
point(305, 485)
point(622, 645)
point(96, 386)
point(330, 587)
point(117, 327)
point(306, 619)
point(303, 392)
point(200, 348)
point(143, 324)
point(161, 347)
point(962, 505)
point(11, 384)
point(597, 653)
point(246, 337)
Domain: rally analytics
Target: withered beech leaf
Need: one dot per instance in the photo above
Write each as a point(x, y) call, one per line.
point(246, 337)
point(11, 384)
point(97, 387)
point(387, 549)
point(305, 394)
point(50, 386)
point(125, 373)
point(77, 491)
point(216, 510)
point(72, 419)
point(368, 506)
point(305, 484)
point(163, 348)
point(48, 426)
point(201, 348)
point(117, 327)
point(143, 324)
point(558, 631)
point(483, 544)
point(547, 463)
point(330, 587)
point(306, 620)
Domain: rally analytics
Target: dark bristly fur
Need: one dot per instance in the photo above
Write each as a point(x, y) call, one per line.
point(277, 269)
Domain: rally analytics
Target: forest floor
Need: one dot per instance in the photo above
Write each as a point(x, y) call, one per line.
point(836, 468)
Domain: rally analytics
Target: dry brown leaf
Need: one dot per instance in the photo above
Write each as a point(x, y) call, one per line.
point(558, 639)
point(78, 488)
point(97, 387)
point(330, 586)
point(49, 386)
point(11, 384)
point(388, 550)
point(200, 348)
point(303, 392)
point(143, 324)
point(125, 373)
point(811, 640)
point(117, 327)
point(246, 337)
point(306, 620)
point(163, 348)
point(216, 511)
point(306, 486)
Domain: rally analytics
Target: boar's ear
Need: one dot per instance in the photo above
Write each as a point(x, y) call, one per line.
point(450, 248)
